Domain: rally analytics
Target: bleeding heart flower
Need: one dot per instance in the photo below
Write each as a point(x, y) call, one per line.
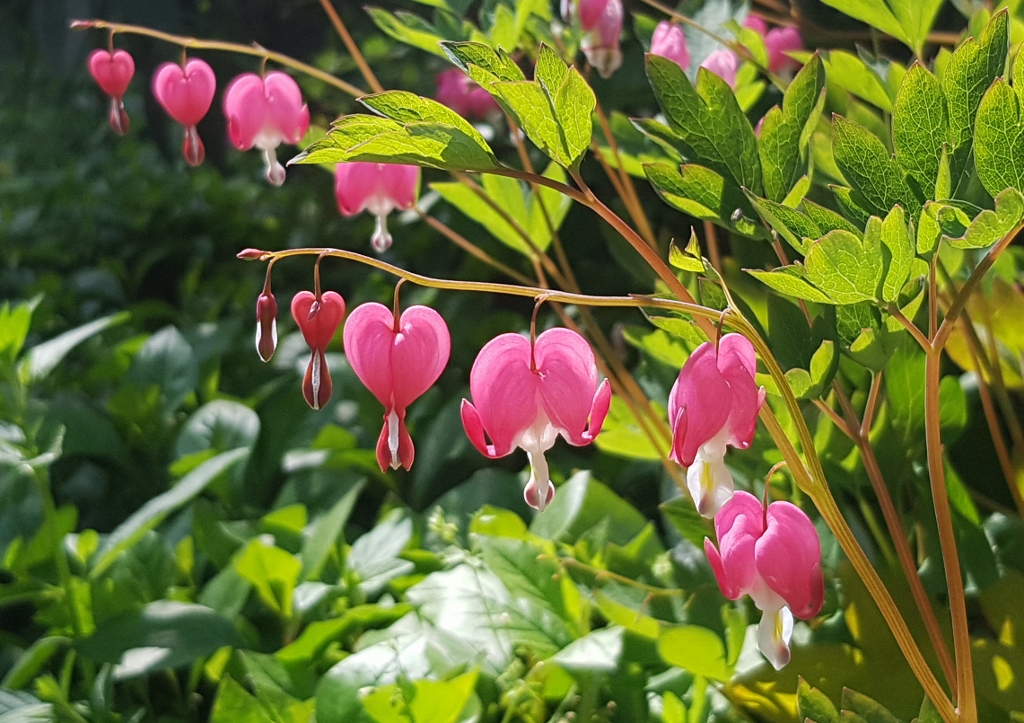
point(778, 42)
point(379, 188)
point(318, 320)
point(774, 556)
point(526, 395)
point(186, 94)
point(722, 63)
point(459, 92)
point(113, 71)
point(266, 325)
point(713, 403)
point(265, 112)
point(398, 360)
point(601, 23)
point(669, 41)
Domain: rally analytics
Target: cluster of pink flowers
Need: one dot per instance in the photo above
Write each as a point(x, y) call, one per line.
point(669, 41)
point(261, 111)
point(772, 554)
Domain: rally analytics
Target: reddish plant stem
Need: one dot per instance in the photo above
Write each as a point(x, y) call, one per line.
point(351, 46)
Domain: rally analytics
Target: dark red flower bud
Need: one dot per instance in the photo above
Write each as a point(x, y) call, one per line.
point(266, 326)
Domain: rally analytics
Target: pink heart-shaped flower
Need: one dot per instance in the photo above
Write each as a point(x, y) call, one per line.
point(112, 71)
point(185, 93)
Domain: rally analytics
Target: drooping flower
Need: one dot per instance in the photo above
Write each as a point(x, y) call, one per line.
point(397, 360)
point(778, 42)
point(186, 94)
point(601, 23)
point(379, 188)
point(526, 395)
point(774, 556)
point(266, 325)
point(713, 403)
point(669, 41)
point(113, 70)
point(459, 92)
point(318, 319)
point(722, 63)
point(265, 112)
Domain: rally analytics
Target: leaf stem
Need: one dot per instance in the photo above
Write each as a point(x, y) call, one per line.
point(197, 44)
point(353, 49)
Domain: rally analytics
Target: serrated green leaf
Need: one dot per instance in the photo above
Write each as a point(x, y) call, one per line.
point(815, 705)
point(782, 145)
point(532, 110)
point(405, 107)
point(550, 70)
point(827, 219)
point(574, 107)
point(895, 236)
point(794, 226)
point(999, 136)
point(689, 260)
point(928, 230)
point(711, 128)
point(868, 709)
point(850, 73)
point(916, 18)
point(790, 281)
point(867, 166)
point(496, 62)
point(920, 126)
point(990, 226)
point(703, 193)
point(875, 13)
point(970, 71)
point(845, 267)
point(851, 203)
point(417, 37)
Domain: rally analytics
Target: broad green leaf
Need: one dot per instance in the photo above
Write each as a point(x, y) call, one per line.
point(425, 701)
point(844, 267)
point(43, 358)
point(165, 634)
point(272, 572)
point(417, 37)
point(920, 127)
point(683, 516)
point(928, 229)
point(988, 226)
point(852, 74)
point(999, 136)
point(167, 363)
point(703, 193)
point(220, 425)
point(867, 166)
point(574, 106)
point(916, 18)
point(507, 194)
point(532, 109)
point(895, 236)
point(15, 322)
point(598, 652)
point(622, 435)
point(850, 202)
point(235, 704)
point(31, 662)
point(694, 649)
point(796, 227)
point(503, 31)
point(157, 509)
point(814, 706)
point(971, 70)
point(582, 504)
point(527, 573)
point(374, 557)
point(689, 260)
point(790, 281)
point(877, 14)
point(866, 708)
point(405, 107)
point(785, 133)
point(495, 62)
point(711, 128)
point(323, 535)
point(827, 219)
point(550, 70)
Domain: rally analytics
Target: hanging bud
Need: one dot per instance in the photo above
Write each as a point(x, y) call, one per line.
point(266, 325)
point(250, 254)
point(318, 319)
point(113, 71)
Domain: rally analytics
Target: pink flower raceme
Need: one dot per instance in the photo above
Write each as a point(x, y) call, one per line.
point(601, 23)
point(113, 70)
point(723, 63)
point(774, 556)
point(318, 319)
point(527, 395)
point(713, 403)
point(397, 360)
point(778, 42)
point(379, 188)
point(265, 112)
point(186, 94)
point(669, 41)
point(459, 92)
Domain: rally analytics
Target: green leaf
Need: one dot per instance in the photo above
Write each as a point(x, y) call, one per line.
point(827, 219)
point(621, 435)
point(916, 18)
point(814, 706)
point(694, 649)
point(708, 122)
point(850, 73)
point(527, 573)
point(866, 708)
point(157, 509)
point(382, 140)
point(790, 281)
point(701, 192)
point(596, 652)
point(999, 136)
point(405, 107)
point(426, 701)
point(845, 267)
point(234, 704)
point(849, 202)
point(688, 522)
point(469, 202)
point(15, 322)
point(220, 425)
point(43, 358)
point(165, 634)
point(796, 227)
point(374, 557)
point(31, 662)
point(785, 133)
point(690, 260)
point(532, 109)
point(323, 535)
point(970, 71)
point(867, 166)
point(497, 63)
point(550, 70)
point(990, 226)
point(166, 362)
point(920, 127)
point(417, 37)
point(877, 14)
point(582, 504)
point(574, 106)
point(272, 572)
point(546, 205)
point(895, 236)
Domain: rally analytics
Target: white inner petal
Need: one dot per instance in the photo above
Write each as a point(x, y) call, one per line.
point(393, 439)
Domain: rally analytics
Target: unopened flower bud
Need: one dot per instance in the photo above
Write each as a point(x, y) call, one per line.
point(266, 326)
point(250, 254)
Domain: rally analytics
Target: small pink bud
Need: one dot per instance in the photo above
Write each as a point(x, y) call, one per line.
point(251, 254)
point(266, 325)
point(601, 21)
point(379, 188)
point(318, 320)
point(186, 94)
point(459, 92)
point(527, 396)
point(397, 360)
point(113, 71)
point(779, 42)
point(722, 63)
point(265, 112)
point(669, 41)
